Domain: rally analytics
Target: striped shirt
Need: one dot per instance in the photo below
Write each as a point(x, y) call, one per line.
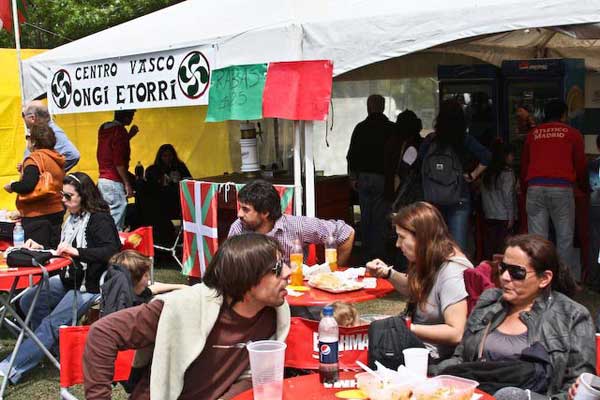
point(308, 229)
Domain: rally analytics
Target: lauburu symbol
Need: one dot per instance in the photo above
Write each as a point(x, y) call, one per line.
point(193, 75)
point(61, 88)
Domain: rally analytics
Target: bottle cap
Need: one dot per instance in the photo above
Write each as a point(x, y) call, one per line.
point(328, 311)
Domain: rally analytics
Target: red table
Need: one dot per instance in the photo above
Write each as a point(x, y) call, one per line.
point(307, 387)
point(317, 297)
point(10, 281)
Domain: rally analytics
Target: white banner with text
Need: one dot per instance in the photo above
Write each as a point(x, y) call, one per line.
point(163, 79)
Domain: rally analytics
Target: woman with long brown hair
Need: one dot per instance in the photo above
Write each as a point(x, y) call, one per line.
point(434, 281)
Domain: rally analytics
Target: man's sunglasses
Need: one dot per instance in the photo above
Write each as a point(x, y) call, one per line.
point(516, 272)
point(278, 268)
point(67, 196)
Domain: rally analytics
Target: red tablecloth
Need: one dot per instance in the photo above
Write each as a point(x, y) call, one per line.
point(7, 276)
point(317, 297)
point(307, 387)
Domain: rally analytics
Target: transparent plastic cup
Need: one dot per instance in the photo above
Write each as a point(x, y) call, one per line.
point(266, 364)
point(589, 387)
point(416, 360)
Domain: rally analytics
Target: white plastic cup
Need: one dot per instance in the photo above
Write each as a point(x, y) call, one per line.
point(416, 360)
point(588, 387)
point(266, 364)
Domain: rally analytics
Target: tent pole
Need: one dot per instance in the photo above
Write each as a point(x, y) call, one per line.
point(297, 170)
point(309, 168)
point(16, 28)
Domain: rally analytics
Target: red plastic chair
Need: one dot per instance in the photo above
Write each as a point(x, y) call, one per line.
point(140, 240)
point(71, 345)
point(303, 345)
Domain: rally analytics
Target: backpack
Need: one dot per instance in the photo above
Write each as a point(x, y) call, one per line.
point(387, 338)
point(442, 175)
point(117, 290)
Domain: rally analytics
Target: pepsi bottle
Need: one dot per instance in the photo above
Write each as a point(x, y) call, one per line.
point(328, 347)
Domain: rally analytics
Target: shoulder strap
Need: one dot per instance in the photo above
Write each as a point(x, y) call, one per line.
point(36, 161)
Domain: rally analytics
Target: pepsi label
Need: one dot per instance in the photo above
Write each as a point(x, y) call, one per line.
point(328, 352)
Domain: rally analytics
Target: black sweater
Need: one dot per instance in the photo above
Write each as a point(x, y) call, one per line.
point(102, 243)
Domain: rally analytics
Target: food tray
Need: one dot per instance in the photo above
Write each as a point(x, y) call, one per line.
point(356, 286)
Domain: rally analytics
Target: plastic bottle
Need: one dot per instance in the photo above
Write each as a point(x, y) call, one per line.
point(139, 170)
point(331, 253)
point(296, 260)
point(328, 347)
point(18, 235)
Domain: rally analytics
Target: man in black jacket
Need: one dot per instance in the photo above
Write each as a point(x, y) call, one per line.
point(366, 167)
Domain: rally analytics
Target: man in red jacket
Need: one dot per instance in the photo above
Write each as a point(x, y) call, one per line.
point(552, 163)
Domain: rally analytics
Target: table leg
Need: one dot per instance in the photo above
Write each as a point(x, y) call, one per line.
point(9, 300)
point(25, 329)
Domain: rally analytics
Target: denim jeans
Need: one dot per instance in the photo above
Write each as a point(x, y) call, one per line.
point(114, 194)
point(53, 309)
point(545, 203)
point(374, 210)
point(457, 219)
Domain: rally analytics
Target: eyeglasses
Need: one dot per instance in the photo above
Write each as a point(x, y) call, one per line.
point(516, 272)
point(67, 196)
point(278, 268)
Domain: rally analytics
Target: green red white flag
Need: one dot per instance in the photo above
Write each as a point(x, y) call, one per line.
point(199, 204)
point(6, 19)
point(199, 201)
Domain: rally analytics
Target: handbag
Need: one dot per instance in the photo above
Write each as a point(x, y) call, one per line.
point(20, 257)
point(44, 188)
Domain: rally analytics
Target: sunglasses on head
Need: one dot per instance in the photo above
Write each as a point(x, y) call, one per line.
point(67, 196)
point(278, 268)
point(516, 272)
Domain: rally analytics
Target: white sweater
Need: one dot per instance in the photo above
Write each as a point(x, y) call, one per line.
point(186, 320)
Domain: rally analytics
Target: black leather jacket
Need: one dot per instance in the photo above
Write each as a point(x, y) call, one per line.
point(563, 326)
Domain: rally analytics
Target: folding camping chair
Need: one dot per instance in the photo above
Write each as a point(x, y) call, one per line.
point(141, 240)
point(173, 249)
point(71, 346)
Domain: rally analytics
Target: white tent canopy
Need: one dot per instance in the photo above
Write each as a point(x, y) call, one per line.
point(352, 33)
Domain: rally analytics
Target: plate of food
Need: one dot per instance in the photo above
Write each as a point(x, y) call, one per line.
point(330, 282)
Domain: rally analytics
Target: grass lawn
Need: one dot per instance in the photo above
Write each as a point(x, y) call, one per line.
point(43, 383)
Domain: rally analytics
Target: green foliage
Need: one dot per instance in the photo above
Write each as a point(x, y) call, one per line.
point(73, 19)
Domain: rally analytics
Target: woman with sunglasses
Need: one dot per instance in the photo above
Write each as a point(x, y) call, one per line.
point(89, 236)
point(434, 282)
point(41, 217)
point(532, 306)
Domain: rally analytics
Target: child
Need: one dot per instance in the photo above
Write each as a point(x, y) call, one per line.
point(345, 314)
point(498, 194)
point(118, 293)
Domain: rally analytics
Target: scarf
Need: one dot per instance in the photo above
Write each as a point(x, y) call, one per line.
point(74, 232)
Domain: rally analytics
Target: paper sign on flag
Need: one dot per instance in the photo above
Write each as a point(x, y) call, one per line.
point(236, 93)
point(298, 90)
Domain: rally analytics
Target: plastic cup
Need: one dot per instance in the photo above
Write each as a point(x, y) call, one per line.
point(266, 364)
point(416, 360)
point(589, 387)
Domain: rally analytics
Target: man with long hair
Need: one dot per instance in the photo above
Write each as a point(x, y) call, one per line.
point(191, 343)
